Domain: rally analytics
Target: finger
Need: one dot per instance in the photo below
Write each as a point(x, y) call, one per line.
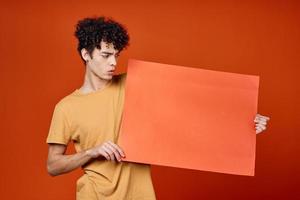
point(103, 153)
point(108, 151)
point(115, 151)
point(118, 148)
point(263, 127)
point(258, 130)
point(261, 122)
point(256, 119)
point(263, 117)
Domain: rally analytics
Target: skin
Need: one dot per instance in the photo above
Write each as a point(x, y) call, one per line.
point(100, 67)
point(260, 123)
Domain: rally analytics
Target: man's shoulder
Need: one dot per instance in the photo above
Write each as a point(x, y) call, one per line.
point(67, 101)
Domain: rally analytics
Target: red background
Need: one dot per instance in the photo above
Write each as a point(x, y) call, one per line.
point(40, 65)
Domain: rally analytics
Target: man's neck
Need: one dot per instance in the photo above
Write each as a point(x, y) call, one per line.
point(93, 83)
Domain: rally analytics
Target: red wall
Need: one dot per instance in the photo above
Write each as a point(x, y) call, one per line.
point(40, 65)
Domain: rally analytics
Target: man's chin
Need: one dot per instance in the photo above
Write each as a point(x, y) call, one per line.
point(105, 77)
point(108, 77)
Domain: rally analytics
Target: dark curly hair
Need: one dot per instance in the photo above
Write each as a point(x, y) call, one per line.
point(91, 31)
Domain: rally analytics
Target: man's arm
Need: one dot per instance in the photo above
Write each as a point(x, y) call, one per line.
point(59, 163)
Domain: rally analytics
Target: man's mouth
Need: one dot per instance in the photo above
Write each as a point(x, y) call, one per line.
point(111, 71)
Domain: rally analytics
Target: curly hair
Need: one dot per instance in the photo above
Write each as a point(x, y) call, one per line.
point(91, 31)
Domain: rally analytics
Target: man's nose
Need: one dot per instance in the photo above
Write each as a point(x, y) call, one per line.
point(113, 61)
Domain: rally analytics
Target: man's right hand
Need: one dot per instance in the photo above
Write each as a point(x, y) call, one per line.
point(59, 163)
point(108, 150)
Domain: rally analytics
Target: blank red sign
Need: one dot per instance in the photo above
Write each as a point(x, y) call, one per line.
point(189, 118)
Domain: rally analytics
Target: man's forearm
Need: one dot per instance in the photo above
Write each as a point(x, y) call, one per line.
point(60, 164)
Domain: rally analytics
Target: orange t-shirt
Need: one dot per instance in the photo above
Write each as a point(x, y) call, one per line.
point(89, 120)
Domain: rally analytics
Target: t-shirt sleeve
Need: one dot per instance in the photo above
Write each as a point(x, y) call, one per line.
point(59, 131)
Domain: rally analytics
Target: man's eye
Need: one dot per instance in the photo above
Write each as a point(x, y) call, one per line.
point(105, 56)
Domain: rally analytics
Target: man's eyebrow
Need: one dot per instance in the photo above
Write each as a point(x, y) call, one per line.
point(110, 53)
point(106, 52)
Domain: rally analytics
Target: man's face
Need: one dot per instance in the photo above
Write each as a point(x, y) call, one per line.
point(103, 62)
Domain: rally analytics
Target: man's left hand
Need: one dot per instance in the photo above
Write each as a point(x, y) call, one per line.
point(261, 123)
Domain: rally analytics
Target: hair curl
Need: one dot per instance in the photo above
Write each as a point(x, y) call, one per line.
point(91, 31)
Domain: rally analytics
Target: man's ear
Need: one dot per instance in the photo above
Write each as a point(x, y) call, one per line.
point(85, 55)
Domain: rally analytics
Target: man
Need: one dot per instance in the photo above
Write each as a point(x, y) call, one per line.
point(91, 116)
